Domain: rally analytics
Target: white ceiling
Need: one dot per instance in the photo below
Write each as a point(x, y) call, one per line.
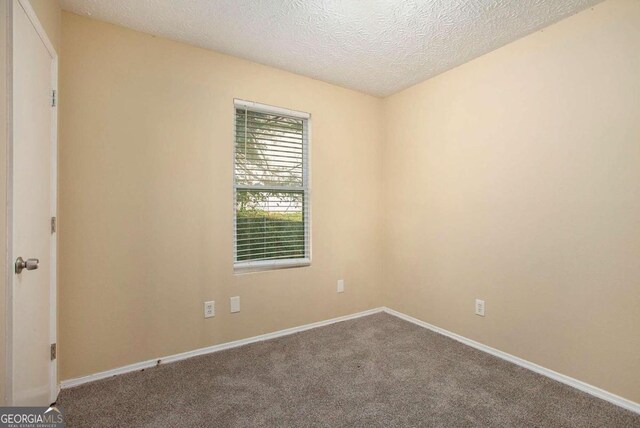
point(374, 46)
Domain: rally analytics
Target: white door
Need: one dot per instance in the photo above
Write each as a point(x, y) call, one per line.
point(33, 173)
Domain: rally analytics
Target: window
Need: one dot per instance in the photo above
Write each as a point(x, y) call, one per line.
point(271, 187)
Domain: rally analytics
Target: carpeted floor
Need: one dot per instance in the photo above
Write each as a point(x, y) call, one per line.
point(373, 371)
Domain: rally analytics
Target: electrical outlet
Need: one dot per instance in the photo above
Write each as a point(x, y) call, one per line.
point(341, 286)
point(480, 307)
point(235, 304)
point(209, 309)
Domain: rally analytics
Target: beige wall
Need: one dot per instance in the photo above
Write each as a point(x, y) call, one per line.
point(516, 179)
point(145, 199)
point(48, 12)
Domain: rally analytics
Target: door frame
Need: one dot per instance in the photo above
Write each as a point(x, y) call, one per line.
point(53, 372)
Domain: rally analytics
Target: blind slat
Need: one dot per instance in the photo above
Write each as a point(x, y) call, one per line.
point(270, 128)
point(266, 154)
point(241, 159)
point(297, 143)
point(249, 246)
point(276, 135)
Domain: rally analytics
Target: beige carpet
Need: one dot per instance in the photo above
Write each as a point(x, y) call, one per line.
point(372, 371)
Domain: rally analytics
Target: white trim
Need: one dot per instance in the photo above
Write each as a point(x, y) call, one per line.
point(265, 265)
point(575, 383)
point(582, 386)
point(53, 282)
point(9, 209)
point(211, 349)
point(307, 194)
point(31, 14)
point(266, 108)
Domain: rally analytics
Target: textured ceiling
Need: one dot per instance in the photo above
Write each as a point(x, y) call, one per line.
point(375, 46)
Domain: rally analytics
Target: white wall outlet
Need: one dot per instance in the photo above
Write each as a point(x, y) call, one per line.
point(341, 286)
point(480, 307)
point(209, 309)
point(235, 304)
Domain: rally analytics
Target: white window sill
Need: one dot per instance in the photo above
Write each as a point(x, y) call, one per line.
point(267, 265)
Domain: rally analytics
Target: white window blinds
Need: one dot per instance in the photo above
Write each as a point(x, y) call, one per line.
point(271, 187)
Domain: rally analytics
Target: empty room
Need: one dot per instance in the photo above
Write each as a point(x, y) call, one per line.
point(239, 213)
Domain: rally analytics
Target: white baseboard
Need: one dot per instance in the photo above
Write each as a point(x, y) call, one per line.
point(582, 386)
point(69, 383)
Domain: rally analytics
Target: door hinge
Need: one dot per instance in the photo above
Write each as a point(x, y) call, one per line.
point(53, 225)
point(54, 351)
point(53, 98)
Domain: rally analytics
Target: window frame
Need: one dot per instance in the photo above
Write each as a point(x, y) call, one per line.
point(267, 265)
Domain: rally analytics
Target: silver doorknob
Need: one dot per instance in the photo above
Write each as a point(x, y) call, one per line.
point(29, 264)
